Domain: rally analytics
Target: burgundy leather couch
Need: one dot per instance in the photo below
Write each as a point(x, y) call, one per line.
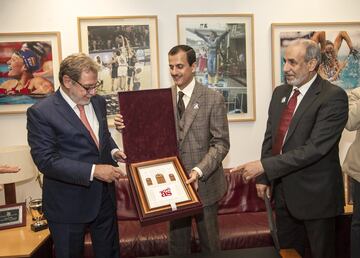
point(242, 221)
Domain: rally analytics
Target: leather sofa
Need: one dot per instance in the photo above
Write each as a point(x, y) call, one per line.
point(242, 222)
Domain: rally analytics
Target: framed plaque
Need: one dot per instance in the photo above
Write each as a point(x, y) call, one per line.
point(161, 191)
point(157, 178)
point(12, 215)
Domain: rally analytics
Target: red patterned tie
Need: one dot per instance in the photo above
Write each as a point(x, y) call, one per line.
point(84, 120)
point(285, 121)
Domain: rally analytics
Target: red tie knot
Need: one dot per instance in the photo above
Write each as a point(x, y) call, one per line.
point(296, 92)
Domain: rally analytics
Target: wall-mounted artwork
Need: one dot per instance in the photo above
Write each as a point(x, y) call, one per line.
point(29, 65)
point(126, 50)
point(339, 43)
point(224, 47)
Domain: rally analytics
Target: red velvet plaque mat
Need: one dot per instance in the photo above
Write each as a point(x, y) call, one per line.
point(149, 131)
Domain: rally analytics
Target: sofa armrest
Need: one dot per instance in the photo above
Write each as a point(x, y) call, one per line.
point(240, 196)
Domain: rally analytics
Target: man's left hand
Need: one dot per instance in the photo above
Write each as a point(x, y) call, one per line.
point(119, 122)
point(249, 170)
point(120, 156)
point(194, 178)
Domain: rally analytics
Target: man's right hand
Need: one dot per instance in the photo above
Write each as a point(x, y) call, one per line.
point(108, 173)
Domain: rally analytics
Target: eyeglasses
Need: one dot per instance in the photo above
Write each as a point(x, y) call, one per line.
point(88, 87)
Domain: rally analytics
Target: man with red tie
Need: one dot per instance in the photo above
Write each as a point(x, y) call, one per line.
point(72, 146)
point(300, 154)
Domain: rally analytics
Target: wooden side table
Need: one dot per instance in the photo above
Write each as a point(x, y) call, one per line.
point(22, 242)
point(289, 253)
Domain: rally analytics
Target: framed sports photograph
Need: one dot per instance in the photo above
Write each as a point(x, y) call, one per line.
point(224, 46)
point(161, 191)
point(126, 50)
point(12, 215)
point(29, 65)
point(340, 50)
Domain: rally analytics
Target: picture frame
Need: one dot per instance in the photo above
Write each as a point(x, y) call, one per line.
point(160, 190)
point(39, 55)
point(338, 65)
point(126, 48)
point(348, 189)
point(224, 45)
point(12, 215)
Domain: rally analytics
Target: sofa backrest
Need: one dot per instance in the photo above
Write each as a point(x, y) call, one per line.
point(240, 197)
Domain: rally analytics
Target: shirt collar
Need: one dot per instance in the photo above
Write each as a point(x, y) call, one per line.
point(68, 100)
point(188, 90)
point(304, 88)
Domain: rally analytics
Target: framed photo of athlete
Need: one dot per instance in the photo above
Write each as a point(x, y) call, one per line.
point(29, 65)
point(224, 46)
point(161, 191)
point(12, 215)
point(126, 49)
point(340, 50)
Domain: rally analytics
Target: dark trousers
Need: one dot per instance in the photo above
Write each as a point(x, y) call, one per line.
point(295, 234)
point(207, 227)
point(69, 237)
point(355, 223)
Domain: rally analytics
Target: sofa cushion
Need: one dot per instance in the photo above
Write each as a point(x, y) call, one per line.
point(244, 230)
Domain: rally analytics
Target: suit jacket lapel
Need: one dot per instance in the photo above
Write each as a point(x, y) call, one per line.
point(192, 108)
point(309, 98)
point(68, 113)
point(279, 108)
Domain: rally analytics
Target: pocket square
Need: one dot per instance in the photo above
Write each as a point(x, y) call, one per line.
point(283, 100)
point(196, 106)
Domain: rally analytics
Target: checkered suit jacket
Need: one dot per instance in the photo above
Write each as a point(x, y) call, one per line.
point(203, 140)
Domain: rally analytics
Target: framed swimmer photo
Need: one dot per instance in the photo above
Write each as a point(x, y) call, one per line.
point(224, 46)
point(29, 65)
point(126, 49)
point(340, 50)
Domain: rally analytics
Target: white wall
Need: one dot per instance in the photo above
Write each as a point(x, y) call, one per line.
point(246, 137)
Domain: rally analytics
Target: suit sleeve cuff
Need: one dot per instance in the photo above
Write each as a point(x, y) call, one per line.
point(113, 152)
point(198, 170)
point(92, 172)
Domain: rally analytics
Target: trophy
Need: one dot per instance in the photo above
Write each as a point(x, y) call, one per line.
point(35, 207)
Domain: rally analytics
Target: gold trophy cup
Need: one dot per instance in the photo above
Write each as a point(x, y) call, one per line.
point(36, 211)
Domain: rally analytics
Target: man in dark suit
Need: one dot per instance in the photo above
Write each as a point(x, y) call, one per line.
point(203, 142)
point(72, 146)
point(301, 160)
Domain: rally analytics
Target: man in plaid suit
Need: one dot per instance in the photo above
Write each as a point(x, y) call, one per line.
point(203, 142)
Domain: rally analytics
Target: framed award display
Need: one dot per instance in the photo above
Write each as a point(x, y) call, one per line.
point(156, 175)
